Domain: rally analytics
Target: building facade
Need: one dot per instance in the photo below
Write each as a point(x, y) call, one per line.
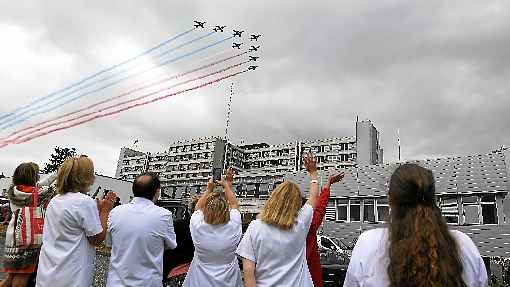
point(185, 166)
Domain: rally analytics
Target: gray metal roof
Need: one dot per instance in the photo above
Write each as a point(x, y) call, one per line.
point(457, 175)
point(491, 240)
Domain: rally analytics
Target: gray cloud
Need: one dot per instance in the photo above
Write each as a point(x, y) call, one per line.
point(437, 70)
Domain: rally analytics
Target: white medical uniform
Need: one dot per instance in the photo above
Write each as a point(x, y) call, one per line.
point(280, 255)
point(369, 261)
point(215, 262)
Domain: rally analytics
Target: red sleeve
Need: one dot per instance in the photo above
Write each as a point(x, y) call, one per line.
point(320, 210)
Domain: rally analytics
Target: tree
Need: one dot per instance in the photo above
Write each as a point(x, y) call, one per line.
point(57, 158)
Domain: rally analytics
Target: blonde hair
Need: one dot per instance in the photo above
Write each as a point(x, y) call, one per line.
point(26, 173)
point(76, 174)
point(283, 206)
point(216, 210)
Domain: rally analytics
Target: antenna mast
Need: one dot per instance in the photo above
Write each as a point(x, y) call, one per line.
point(229, 110)
point(227, 125)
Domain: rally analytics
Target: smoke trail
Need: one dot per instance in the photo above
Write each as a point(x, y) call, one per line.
point(123, 95)
point(25, 118)
point(37, 135)
point(97, 74)
point(124, 102)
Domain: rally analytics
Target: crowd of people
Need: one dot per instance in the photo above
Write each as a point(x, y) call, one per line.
point(204, 247)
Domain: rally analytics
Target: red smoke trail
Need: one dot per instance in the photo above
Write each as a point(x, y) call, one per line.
point(15, 139)
point(34, 136)
point(8, 138)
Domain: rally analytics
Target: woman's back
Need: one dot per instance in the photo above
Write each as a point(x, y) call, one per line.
point(279, 254)
point(216, 244)
point(66, 255)
point(215, 263)
point(369, 261)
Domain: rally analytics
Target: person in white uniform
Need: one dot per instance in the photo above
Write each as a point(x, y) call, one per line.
point(273, 247)
point(139, 233)
point(74, 224)
point(216, 230)
point(416, 249)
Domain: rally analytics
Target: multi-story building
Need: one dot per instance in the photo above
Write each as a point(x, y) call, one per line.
point(368, 148)
point(186, 165)
point(183, 168)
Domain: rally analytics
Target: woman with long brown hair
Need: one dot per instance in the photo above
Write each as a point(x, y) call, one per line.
point(21, 262)
point(273, 247)
point(417, 249)
point(75, 223)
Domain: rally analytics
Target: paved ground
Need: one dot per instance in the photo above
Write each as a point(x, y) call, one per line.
point(100, 270)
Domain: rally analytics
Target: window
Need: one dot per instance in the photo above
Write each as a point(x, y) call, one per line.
point(354, 208)
point(489, 209)
point(383, 210)
point(368, 210)
point(450, 209)
point(489, 215)
point(342, 209)
point(471, 214)
point(471, 210)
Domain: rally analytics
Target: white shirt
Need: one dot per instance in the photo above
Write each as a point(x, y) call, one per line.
point(139, 233)
point(280, 255)
point(369, 260)
point(66, 257)
point(214, 262)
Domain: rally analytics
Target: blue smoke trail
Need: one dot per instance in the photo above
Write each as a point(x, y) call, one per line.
point(23, 119)
point(59, 97)
point(16, 111)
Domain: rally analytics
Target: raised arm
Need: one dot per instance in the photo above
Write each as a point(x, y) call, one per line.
point(201, 201)
point(104, 207)
point(311, 168)
point(48, 180)
point(320, 210)
point(226, 183)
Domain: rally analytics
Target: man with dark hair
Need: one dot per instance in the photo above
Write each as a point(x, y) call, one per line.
point(146, 185)
point(139, 233)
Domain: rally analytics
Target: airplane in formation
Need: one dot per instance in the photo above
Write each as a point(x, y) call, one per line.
point(238, 33)
point(199, 24)
point(219, 28)
point(236, 45)
point(253, 58)
point(252, 68)
point(255, 37)
point(254, 49)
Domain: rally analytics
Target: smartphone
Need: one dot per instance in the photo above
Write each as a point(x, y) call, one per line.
point(217, 174)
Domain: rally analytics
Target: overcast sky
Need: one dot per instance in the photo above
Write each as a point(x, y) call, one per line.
point(437, 70)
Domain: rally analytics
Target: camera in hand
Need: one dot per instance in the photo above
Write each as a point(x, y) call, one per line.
point(217, 174)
